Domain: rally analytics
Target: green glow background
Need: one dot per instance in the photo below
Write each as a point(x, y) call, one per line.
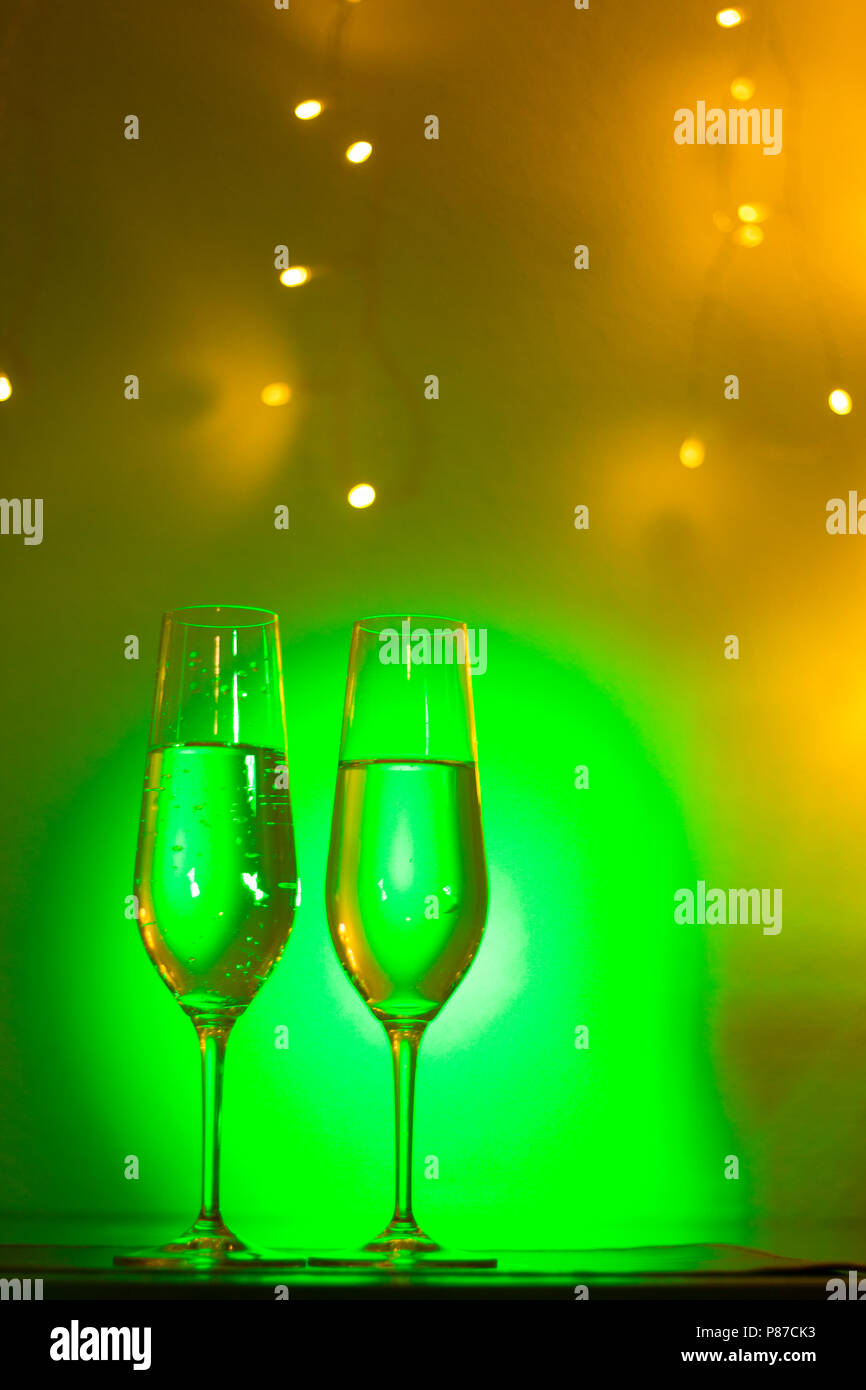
point(604, 647)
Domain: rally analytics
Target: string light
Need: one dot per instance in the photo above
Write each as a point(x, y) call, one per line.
point(295, 275)
point(692, 453)
point(362, 495)
point(749, 235)
point(5, 388)
point(357, 153)
point(307, 110)
point(278, 393)
point(742, 88)
point(747, 232)
point(840, 402)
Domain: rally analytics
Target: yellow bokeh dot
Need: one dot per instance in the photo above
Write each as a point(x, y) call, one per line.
point(729, 18)
point(295, 275)
point(722, 222)
point(357, 153)
point(752, 212)
point(362, 495)
point(5, 388)
point(840, 402)
point(749, 235)
point(278, 393)
point(692, 453)
point(742, 88)
point(306, 110)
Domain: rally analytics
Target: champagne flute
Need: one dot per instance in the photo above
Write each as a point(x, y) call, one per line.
point(215, 875)
point(406, 888)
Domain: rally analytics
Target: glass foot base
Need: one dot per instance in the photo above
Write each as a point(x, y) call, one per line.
point(203, 1249)
point(402, 1247)
point(400, 1261)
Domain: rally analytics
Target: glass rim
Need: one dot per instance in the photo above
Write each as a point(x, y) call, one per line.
point(178, 615)
point(377, 622)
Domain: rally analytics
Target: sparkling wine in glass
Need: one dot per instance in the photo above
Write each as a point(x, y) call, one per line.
point(215, 875)
point(406, 889)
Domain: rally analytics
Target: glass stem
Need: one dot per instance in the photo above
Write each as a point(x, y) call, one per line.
point(404, 1048)
point(212, 1041)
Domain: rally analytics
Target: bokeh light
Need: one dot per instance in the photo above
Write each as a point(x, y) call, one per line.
point(748, 235)
point(840, 402)
point(277, 393)
point(692, 453)
point(307, 110)
point(295, 275)
point(362, 495)
point(359, 151)
point(742, 88)
point(728, 19)
point(753, 212)
point(5, 388)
